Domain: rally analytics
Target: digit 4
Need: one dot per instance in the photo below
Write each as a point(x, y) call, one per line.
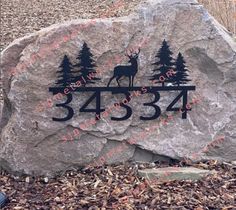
point(184, 95)
point(97, 110)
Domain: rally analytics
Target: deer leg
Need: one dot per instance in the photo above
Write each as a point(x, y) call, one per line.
point(117, 80)
point(132, 81)
point(110, 81)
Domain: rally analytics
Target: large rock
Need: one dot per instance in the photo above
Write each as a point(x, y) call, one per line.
point(31, 142)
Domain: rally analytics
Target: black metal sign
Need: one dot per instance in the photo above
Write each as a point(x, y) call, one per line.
point(169, 74)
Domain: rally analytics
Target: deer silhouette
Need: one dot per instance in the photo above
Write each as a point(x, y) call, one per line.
point(127, 71)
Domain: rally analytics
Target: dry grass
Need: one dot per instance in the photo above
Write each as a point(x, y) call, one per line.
point(224, 11)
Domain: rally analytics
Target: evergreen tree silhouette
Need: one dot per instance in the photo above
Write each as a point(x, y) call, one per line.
point(66, 75)
point(181, 71)
point(86, 66)
point(164, 64)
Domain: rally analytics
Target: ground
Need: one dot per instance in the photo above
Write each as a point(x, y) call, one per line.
point(119, 187)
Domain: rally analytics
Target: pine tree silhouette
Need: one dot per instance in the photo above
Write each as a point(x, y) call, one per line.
point(86, 65)
point(181, 71)
point(164, 64)
point(66, 75)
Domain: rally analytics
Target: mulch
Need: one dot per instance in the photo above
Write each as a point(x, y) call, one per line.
point(119, 187)
point(20, 18)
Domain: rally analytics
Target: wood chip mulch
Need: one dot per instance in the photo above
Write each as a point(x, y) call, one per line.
point(119, 187)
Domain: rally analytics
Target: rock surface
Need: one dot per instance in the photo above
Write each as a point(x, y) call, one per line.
point(173, 173)
point(31, 142)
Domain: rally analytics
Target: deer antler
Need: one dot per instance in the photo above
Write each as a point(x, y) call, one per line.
point(137, 53)
point(128, 53)
point(131, 50)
